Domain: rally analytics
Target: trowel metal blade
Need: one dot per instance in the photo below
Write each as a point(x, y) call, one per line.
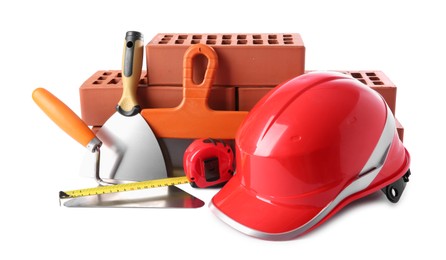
point(163, 197)
point(130, 151)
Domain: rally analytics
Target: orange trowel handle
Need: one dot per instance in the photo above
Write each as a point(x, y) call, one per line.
point(65, 118)
point(192, 90)
point(193, 118)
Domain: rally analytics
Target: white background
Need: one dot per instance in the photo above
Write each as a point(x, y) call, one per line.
point(59, 44)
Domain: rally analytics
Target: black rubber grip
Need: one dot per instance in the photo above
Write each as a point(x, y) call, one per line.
point(130, 38)
point(135, 110)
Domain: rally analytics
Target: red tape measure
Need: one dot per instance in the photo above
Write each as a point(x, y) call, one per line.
point(208, 162)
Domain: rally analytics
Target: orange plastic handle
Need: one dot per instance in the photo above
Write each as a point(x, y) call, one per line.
point(63, 116)
point(191, 90)
point(193, 118)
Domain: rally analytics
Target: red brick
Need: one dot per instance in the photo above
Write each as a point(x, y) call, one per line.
point(244, 59)
point(378, 81)
point(400, 130)
point(249, 96)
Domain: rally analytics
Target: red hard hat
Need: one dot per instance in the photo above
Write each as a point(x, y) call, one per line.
point(308, 148)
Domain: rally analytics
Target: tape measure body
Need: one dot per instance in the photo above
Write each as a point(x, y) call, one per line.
point(208, 163)
point(123, 187)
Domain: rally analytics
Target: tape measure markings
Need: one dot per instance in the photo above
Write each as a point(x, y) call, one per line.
point(123, 187)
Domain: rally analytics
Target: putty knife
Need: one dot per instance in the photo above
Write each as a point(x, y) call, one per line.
point(134, 153)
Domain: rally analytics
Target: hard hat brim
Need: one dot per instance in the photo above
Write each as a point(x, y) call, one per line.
point(258, 217)
point(255, 216)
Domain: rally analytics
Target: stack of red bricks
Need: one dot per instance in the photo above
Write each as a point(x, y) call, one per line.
point(249, 66)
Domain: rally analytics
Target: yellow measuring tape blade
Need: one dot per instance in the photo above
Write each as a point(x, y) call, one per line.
point(123, 187)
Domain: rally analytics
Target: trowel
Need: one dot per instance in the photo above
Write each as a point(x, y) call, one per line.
point(126, 142)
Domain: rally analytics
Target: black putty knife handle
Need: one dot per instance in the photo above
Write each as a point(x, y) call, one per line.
point(131, 73)
point(66, 119)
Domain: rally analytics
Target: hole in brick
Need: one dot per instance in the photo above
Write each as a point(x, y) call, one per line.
point(370, 74)
point(273, 42)
point(257, 36)
point(242, 41)
point(226, 42)
point(163, 42)
point(168, 36)
point(119, 75)
point(212, 37)
point(196, 37)
point(272, 36)
point(113, 81)
point(373, 78)
point(165, 39)
point(227, 37)
point(378, 83)
point(106, 73)
point(288, 42)
point(102, 78)
point(363, 81)
point(241, 37)
point(179, 41)
point(182, 37)
point(356, 75)
point(143, 81)
point(200, 63)
point(210, 42)
point(258, 42)
point(288, 36)
point(195, 41)
point(97, 82)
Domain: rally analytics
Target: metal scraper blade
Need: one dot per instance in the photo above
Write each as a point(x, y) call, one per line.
point(130, 151)
point(163, 197)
